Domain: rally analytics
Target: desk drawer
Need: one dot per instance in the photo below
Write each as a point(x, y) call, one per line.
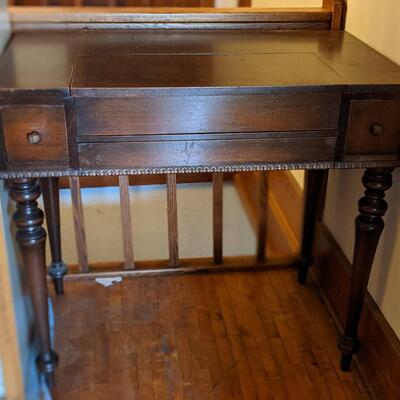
point(163, 114)
point(35, 135)
point(183, 153)
point(373, 129)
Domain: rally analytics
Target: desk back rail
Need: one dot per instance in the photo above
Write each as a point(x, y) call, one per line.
point(44, 18)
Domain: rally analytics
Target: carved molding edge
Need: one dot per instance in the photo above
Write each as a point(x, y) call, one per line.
point(200, 169)
point(366, 164)
point(160, 170)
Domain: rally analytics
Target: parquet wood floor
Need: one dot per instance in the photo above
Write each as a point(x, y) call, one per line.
point(251, 335)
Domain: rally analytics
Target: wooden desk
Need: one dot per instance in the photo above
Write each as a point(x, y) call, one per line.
point(144, 102)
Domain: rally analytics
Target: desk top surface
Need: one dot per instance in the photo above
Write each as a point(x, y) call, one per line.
point(86, 63)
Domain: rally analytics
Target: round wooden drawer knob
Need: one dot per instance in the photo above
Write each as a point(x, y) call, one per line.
point(34, 137)
point(376, 129)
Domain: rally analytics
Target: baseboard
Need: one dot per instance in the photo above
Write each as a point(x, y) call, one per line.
point(379, 357)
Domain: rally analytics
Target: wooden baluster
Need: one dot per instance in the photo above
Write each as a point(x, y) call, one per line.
point(369, 226)
point(262, 217)
point(126, 222)
point(172, 220)
point(218, 183)
point(31, 238)
point(51, 200)
point(80, 235)
point(314, 191)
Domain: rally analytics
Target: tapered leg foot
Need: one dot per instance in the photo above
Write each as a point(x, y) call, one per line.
point(57, 271)
point(302, 265)
point(348, 346)
point(47, 363)
point(369, 226)
point(51, 198)
point(31, 238)
point(315, 185)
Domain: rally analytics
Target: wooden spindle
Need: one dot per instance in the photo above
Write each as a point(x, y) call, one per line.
point(262, 217)
point(126, 222)
point(80, 235)
point(218, 181)
point(172, 220)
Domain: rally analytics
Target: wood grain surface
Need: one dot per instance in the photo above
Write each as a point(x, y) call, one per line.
point(364, 114)
point(161, 114)
point(172, 214)
point(218, 187)
point(262, 215)
point(49, 122)
point(212, 336)
point(205, 152)
point(126, 222)
point(169, 14)
point(38, 72)
point(79, 224)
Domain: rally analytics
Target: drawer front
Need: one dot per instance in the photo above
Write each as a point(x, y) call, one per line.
point(373, 129)
point(35, 135)
point(164, 114)
point(196, 153)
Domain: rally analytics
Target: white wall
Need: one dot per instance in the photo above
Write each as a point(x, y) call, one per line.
point(377, 22)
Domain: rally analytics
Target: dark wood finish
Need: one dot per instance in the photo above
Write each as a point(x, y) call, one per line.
point(123, 73)
point(31, 238)
point(369, 226)
point(172, 210)
point(336, 56)
point(127, 240)
point(257, 322)
point(379, 357)
point(120, 17)
point(199, 152)
point(337, 11)
point(177, 26)
point(314, 192)
point(205, 114)
point(218, 187)
point(244, 3)
point(336, 7)
point(36, 135)
point(79, 225)
point(373, 129)
point(51, 200)
point(262, 216)
point(113, 3)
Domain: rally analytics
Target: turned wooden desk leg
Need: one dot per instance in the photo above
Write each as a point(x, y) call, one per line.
point(315, 186)
point(369, 226)
point(31, 238)
point(51, 200)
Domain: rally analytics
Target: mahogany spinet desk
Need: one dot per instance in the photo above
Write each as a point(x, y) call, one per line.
point(142, 102)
